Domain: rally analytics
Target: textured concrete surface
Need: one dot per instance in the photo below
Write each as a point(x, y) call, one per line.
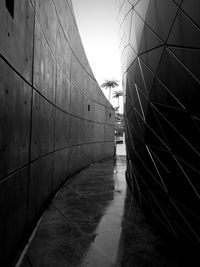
point(93, 221)
point(54, 117)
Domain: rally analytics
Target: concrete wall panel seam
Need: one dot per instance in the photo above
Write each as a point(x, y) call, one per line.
point(54, 124)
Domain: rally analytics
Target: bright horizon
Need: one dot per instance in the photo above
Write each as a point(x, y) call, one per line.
point(98, 28)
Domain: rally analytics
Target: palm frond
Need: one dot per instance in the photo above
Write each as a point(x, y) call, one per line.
point(110, 84)
point(117, 94)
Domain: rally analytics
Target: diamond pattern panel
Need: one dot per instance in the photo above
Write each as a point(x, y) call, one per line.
point(162, 112)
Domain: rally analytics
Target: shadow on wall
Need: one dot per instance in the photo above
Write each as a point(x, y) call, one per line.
point(160, 51)
point(54, 117)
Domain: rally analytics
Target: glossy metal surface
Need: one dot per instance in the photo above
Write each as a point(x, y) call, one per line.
point(160, 43)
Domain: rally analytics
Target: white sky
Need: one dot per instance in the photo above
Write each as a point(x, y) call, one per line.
point(98, 27)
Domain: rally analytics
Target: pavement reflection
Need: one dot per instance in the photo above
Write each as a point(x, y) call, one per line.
point(94, 221)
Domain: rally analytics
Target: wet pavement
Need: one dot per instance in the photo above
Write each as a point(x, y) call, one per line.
point(93, 221)
point(121, 149)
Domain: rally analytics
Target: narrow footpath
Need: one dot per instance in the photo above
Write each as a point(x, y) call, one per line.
point(93, 221)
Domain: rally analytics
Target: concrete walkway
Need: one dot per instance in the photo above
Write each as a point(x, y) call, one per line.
point(93, 221)
point(121, 149)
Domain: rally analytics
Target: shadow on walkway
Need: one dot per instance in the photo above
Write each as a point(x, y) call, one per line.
point(93, 221)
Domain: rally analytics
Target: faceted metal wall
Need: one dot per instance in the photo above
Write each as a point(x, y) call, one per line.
point(54, 118)
point(160, 43)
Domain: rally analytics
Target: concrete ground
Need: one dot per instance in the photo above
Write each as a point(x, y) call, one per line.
point(93, 221)
point(121, 149)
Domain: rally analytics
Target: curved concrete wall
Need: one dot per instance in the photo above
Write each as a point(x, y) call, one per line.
point(160, 53)
point(54, 117)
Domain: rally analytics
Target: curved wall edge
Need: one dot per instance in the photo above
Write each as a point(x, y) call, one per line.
point(55, 120)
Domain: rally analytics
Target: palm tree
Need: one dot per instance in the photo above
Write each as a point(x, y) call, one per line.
point(110, 84)
point(117, 95)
